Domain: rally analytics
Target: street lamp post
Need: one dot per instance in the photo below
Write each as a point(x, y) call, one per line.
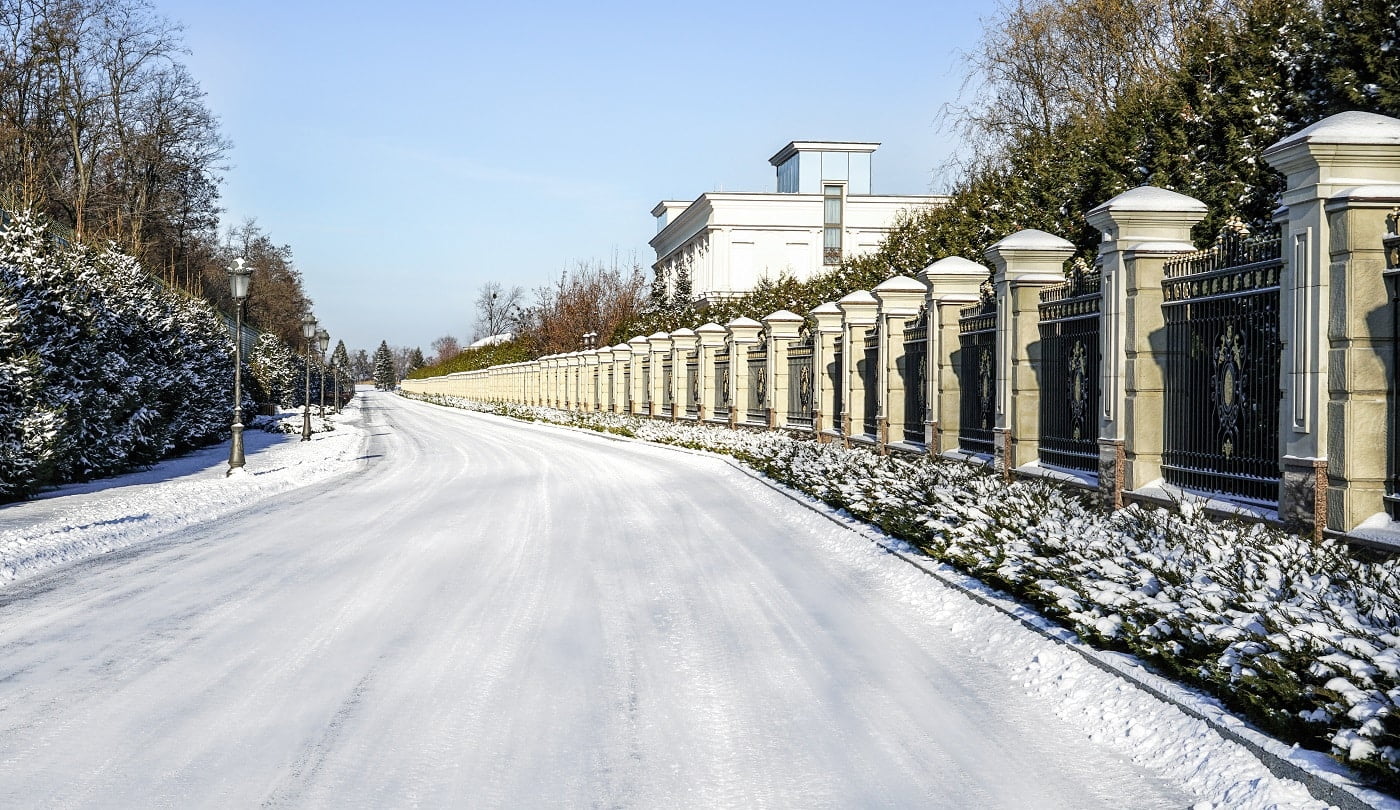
point(308, 331)
point(323, 339)
point(239, 277)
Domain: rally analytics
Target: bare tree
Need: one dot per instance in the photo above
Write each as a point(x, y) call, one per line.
point(594, 297)
point(498, 309)
point(445, 348)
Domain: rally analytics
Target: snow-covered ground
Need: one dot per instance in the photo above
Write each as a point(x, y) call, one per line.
point(79, 520)
point(470, 611)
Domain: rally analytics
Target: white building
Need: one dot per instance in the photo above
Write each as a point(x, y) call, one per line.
point(823, 210)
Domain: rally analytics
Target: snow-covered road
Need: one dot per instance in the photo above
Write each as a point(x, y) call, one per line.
point(496, 614)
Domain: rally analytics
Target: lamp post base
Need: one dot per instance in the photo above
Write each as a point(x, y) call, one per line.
point(235, 452)
point(306, 424)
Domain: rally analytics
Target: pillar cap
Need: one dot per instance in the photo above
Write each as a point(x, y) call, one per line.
point(826, 308)
point(1148, 199)
point(783, 316)
point(744, 323)
point(1147, 218)
point(683, 332)
point(658, 336)
point(709, 329)
point(955, 266)
point(900, 284)
point(1353, 127)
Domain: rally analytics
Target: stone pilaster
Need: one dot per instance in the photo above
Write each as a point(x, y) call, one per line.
point(900, 298)
point(743, 333)
point(783, 328)
point(711, 339)
point(684, 343)
point(1026, 262)
point(826, 417)
point(952, 283)
point(659, 346)
point(636, 392)
point(857, 317)
point(1336, 326)
point(1142, 229)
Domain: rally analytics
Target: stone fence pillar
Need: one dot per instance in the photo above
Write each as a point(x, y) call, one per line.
point(621, 365)
point(743, 333)
point(900, 298)
point(659, 344)
point(953, 283)
point(857, 317)
point(826, 417)
point(1026, 262)
point(636, 392)
point(711, 339)
point(783, 328)
point(684, 342)
point(1142, 228)
point(590, 383)
point(1337, 414)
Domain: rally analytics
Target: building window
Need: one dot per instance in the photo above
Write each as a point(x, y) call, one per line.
point(832, 226)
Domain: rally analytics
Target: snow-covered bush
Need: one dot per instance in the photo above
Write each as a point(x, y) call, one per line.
point(277, 371)
point(101, 368)
point(1302, 637)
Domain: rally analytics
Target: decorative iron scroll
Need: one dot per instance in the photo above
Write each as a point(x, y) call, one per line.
point(1069, 350)
point(914, 369)
point(667, 375)
point(977, 376)
point(800, 381)
point(1223, 368)
point(757, 395)
point(692, 384)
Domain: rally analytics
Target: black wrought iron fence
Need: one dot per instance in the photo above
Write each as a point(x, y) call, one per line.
point(1221, 307)
point(1069, 380)
point(646, 384)
point(977, 378)
point(800, 382)
point(838, 385)
point(757, 396)
point(913, 369)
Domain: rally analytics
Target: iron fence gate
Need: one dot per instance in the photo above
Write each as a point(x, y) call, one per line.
point(800, 382)
point(757, 400)
point(977, 336)
point(721, 383)
point(868, 370)
point(1221, 307)
point(914, 371)
point(1069, 379)
point(692, 384)
point(838, 385)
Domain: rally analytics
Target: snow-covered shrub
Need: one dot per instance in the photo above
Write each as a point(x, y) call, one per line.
point(101, 368)
point(1302, 637)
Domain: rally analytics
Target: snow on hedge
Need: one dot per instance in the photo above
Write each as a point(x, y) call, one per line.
point(101, 368)
point(1302, 637)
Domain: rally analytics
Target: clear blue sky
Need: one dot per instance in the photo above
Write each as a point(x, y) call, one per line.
point(411, 152)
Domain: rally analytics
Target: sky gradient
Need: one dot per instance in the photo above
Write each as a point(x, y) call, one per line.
point(410, 153)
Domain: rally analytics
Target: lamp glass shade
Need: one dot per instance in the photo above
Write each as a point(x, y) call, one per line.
point(308, 326)
point(323, 339)
point(239, 277)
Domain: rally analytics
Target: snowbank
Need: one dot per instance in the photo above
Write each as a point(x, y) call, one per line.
point(82, 520)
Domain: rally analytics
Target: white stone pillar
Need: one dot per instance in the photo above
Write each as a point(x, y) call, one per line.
point(826, 417)
point(683, 343)
point(637, 392)
point(857, 317)
point(1026, 262)
point(900, 298)
point(743, 333)
point(953, 283)
point(1338, 349)
point(1142, 228)
point(711, 338)
point(783, 328)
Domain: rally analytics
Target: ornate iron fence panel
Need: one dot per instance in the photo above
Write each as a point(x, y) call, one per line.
point(801, 384)
point(626, 397)
point(692, 384)
point(721, 383)
point(913, 369)
point(1221, 307)
point(977, 336)
point(838, 385)
point(868, 369)
point(667, 377)
point(646, 384)
point(757, 395)
point(598, 387)
point(1069, 380)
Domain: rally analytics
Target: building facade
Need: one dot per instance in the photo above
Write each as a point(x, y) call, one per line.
point(823, 210)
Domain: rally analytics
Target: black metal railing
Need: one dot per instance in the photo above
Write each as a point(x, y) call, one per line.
point(1069, 377)
point(838, 384)
point(646, 384)
point(801, 384)
point(721, 384)
point(1221, 307)
point(914, 371)
point(868, 370)
point(977, 376)
point(756, 361)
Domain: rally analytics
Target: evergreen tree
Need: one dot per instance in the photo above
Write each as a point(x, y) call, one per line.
point(415, 360)
point(384, 377)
